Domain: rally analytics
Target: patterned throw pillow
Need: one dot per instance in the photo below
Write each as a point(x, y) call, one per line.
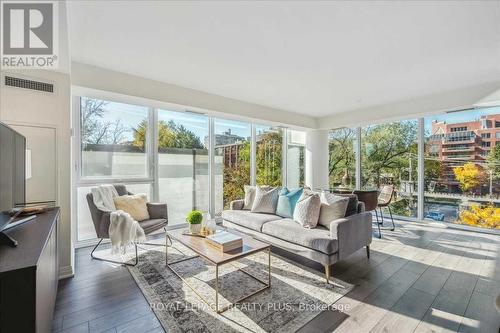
point(333, 207)
point(307, 209)
point(135, 205)
point(250, 195)
point(287, 201)
point(265, 200)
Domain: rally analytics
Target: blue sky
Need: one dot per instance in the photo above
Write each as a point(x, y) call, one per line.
point(131, 115)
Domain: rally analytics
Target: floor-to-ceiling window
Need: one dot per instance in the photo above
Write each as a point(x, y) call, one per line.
point(269, 155)
point(295, 155)
point(165, 154)
point(183, 180)
point(389, 157)
point(114, 142)
point(459, 158)
point(232, 161)
point(462, 167)
point(342, 158)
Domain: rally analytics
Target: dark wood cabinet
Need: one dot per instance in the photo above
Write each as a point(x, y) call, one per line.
point(29, 276)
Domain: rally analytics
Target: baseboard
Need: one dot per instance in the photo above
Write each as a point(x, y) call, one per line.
point(66, 272)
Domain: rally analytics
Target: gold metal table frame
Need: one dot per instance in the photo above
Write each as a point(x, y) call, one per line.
point(215, 306)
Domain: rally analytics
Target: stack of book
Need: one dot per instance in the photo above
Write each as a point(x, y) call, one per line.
point(225, 241)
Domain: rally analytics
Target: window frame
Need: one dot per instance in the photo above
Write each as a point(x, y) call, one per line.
point(78, 180)
point(77, 147)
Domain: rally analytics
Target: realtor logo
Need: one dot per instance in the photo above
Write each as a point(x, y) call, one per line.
point(29, 34)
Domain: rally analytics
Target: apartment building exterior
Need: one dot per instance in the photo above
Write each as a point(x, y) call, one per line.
point(455, 144)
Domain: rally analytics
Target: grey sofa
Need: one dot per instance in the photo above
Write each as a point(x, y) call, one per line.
point(325, 246)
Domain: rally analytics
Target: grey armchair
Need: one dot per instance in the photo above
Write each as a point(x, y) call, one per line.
point(158, 219)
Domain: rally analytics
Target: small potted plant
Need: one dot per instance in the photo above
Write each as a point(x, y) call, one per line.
point(194, 219)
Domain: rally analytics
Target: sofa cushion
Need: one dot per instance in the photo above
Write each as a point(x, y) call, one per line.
point(152, 225)
point(248, 219)
point(333, 207)
point(317, 239)
point(306, 211)
point(265, 200)
point(287, 201)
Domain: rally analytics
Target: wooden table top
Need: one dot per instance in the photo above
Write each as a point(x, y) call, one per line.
point(200, 246)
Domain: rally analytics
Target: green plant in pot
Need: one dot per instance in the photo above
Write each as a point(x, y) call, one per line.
point(194, 219)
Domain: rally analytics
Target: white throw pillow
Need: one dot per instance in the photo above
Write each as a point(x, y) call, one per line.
point(250, 195)
point(265, 200)
point(135, 205)
point(333, 207)
point(307, 209)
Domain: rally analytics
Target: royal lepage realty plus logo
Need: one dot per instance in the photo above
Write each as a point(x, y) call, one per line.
point(29, 36)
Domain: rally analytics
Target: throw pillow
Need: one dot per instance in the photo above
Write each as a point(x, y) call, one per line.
point(135, 205)
point(333, 207)
point(307, 209)
point(265, 200)
point(352, 207)
point(287, 201)
point(250, 196)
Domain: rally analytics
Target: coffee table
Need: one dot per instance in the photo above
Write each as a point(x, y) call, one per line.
point(202, 249)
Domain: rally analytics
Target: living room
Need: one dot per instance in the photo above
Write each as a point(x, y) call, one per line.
point(288, 166)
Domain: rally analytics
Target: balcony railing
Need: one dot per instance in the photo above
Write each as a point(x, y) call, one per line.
point(455, 149)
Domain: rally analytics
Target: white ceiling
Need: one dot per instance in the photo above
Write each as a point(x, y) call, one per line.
point(313, 58)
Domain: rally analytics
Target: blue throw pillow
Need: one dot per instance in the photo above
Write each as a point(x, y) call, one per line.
point(287, 201)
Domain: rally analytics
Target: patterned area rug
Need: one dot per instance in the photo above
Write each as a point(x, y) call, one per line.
point(296, 296)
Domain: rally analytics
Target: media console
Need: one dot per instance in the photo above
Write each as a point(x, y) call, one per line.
point(29, 275)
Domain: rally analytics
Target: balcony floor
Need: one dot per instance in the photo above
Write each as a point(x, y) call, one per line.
point(421, 277)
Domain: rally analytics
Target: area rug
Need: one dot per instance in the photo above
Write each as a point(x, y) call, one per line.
point(297, 293)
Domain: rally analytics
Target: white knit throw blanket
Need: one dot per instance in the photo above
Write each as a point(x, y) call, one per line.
point(123, 229)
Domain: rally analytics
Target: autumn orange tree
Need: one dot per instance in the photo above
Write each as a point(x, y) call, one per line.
point(469, 176)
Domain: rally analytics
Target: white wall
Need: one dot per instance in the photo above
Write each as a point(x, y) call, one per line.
point(317, 159)
point(39, 109)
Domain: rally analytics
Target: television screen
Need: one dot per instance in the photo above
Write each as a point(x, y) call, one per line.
point(12, 168)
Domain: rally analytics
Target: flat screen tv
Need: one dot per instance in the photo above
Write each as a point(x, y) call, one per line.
point(12, 168)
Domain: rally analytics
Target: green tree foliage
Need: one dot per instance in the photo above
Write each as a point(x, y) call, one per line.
point(268, 159)
point(342, 157)
point(433, 170)
point(386, 152)
point(170, 135)
point(235, 178)
point(493, 161)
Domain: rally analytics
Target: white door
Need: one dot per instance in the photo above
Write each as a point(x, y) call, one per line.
point(41, 145)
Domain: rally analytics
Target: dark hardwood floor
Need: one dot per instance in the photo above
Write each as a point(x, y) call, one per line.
point(420, 278)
